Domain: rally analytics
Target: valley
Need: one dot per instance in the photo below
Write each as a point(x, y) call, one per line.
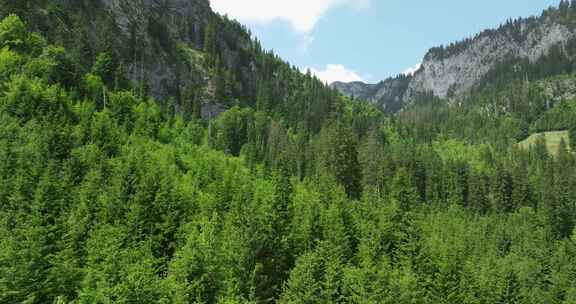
point(156, 152)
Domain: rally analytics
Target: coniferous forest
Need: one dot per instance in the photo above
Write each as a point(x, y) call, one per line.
point(110, 193)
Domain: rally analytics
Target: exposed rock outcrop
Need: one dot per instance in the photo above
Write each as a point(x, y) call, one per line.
point(460, 72)
point(461, 67)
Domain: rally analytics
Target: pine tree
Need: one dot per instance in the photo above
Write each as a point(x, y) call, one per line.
point(106, 67)
point(340, 158)
point(573, 139)
point(404, 192)
point(503, 188)
point(478, 189)
point(13, 33)
point(371, 158)
point(522, 193)
point(211, 43)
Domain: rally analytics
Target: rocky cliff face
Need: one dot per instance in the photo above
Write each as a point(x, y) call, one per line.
point(159, 33)
point(461, 67)
point(358, 89)
point(388, 93)
point(184, 19)
point(159, 43)
point(460, 72)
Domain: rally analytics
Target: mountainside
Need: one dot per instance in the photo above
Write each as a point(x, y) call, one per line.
point(113, 189)
point(178, 52)
point(516, 49)
point(147, 37)
point(389, 94)
point(358, 89)
point(152, 35)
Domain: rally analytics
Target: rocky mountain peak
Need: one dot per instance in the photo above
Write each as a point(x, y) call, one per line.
point(460, 67)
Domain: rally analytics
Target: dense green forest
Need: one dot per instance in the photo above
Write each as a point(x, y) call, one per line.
point(294, 194)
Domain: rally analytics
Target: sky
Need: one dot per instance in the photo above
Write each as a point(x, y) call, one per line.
point(368, 40)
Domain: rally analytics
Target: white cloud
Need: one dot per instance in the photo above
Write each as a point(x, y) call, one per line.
point(336, 72)
point(412, 70)
point(306, 43)
point(301, 14)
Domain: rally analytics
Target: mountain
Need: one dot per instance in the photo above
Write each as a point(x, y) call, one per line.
point(179, 52)
point(517, 49)
point(148, 37)
point(114, 190)
point(389, 94)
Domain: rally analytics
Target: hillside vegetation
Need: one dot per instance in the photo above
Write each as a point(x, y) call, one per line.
point(293, 194)
point(529, 49)
point(552, 139)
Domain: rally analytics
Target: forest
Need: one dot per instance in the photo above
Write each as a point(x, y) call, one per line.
point(294, 194)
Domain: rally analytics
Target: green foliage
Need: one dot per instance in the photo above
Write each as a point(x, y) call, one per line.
point(104, 67)
point(296, 196)
point(9, 63)
point(54, 66)
point(551, 140)
point(316, 278)
point(230, 130)
point(28, 99)
point(572, 138)
point(118, 274)
point(561, 117)
point(13, 33)
point(340, 158)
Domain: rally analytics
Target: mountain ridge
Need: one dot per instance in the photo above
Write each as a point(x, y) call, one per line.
point(179, 52)
point(296, 195)
point(464, 66)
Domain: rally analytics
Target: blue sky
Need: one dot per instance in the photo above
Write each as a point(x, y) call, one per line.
point(367, 40)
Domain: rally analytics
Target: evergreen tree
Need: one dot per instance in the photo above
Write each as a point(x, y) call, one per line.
point(107, 197)
point(340, 158)
point(13, 33)
point(479, 189)
point(211, 43)
point(403, 191)
point(573, 139)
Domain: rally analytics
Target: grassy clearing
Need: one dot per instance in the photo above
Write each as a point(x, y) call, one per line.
point(552, 138)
